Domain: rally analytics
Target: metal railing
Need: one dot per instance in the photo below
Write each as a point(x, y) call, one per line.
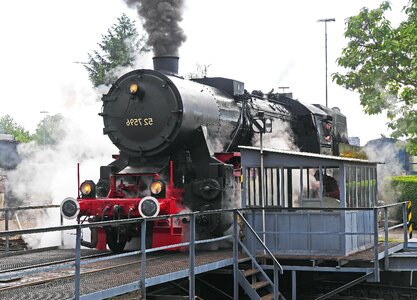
point(142, 282)
point(380, 214)
point(10, 212)
point(191, 244)
point(386, 229)
point(252, 255)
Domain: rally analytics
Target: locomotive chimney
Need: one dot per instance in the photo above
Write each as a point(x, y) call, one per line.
point(166, 64)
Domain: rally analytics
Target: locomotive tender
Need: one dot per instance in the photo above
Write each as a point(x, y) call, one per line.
point(178, 142)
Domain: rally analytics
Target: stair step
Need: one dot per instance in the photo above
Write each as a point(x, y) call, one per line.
point(268, 297)
point(250, 272)
point(245, 259)
point(259, 284)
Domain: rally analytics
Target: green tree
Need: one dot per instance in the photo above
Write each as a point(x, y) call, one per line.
point(381, 64)
point(50, 130)
point(9, 126)
point(118, 48)
point(200, 71)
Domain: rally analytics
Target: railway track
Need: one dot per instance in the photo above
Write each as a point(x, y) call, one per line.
point(24, 260)
point(365, 291)
point(15, 244)
point(63, 274)
point(59, 283)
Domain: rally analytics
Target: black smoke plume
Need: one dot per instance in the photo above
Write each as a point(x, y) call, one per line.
point(161, 20)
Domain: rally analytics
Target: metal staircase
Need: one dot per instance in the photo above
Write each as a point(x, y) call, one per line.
point(256, 283)
point(251, 277)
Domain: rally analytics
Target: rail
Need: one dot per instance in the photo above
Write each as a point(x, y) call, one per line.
point(191, 244)
point(386, 229)
point(380, 215)
point(252, 254)
point(8, 213)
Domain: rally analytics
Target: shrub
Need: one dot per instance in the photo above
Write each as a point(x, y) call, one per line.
point(406, 187)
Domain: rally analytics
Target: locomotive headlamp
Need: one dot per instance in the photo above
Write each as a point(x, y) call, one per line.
point(133, 88)
point(88, 189)
point(157, 187)
point(149, 207)
point(70, 208)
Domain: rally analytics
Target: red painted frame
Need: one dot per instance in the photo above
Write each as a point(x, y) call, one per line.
point(165, 232)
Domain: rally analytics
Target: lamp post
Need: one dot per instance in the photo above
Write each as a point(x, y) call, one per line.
point(44, 126)
point(325, 47)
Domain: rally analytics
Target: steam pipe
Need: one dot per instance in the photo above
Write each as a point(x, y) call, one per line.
point(78, 177)
point(104, 211)
point(128, 213)
point(117, 209)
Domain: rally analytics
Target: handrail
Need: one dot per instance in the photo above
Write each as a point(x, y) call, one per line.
point(191, 243)
point(10, 211)
point(109, 223)
point(281, 270)
point(238, 212)
point(254, 261)
point(15, 208)
point(322, 208)
point(134, 220)
point(385, 230)
point(392, 204)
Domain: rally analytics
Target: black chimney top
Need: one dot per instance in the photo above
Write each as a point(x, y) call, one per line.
point(166, 64)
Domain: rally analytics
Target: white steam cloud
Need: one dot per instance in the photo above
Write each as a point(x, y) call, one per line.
point(48, 174)
point(280, 138)
point(388, 154)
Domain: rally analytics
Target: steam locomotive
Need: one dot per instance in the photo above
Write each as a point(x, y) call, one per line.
point(178, 142)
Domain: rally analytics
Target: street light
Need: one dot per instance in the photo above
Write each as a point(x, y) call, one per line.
point(325, 46)
point(44, 126)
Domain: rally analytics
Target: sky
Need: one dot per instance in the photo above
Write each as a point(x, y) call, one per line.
point(266, 45)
